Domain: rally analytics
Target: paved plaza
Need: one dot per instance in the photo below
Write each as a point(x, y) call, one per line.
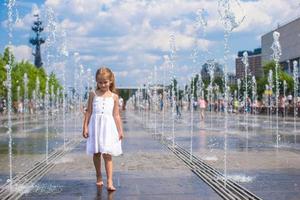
point(146, 170)
point(208, 93)
point(149, 170)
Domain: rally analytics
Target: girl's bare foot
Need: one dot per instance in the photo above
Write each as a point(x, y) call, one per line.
point(99, 181)
point(110, 186)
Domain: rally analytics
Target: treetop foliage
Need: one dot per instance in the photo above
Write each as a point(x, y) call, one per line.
point(17, 76)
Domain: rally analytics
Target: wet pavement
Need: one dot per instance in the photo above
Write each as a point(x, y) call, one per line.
point(146, 170)
point(249, 153)
point(30, 143)
point(256, 152)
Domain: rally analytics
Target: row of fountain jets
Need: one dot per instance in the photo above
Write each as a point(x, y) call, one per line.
point(230, 23)
point(53, 101)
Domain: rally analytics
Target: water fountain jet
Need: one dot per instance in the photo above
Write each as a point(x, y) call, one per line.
point(276, 57)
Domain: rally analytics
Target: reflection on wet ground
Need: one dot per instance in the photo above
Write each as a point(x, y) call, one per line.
point(30, 141)
point(252, 156)
point(247, 152)
point(146, 170)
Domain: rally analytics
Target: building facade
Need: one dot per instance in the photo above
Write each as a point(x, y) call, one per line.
point(231, 79)
point(255, 65)
point(217, 70)
point(290, 45)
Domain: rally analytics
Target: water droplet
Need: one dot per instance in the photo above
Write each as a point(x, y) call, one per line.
point(8, 181)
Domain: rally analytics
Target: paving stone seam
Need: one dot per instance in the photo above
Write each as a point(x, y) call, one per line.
point(35, 173)
point(234, 192)
point(226, 188)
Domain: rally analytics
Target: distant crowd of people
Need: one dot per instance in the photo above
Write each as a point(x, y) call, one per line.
point(286, 105)
point(20, 107)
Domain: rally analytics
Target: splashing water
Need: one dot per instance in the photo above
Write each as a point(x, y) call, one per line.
point(46, 189)
point(46, 106)
point(228, 12)
point(246, 64)
point(284, 97)
point(18, 97)
point(192, 118)
point(210, 158)
point(37, 90)
point(296, 82)
point(276, 57)
point(25, 105)
point(172, 62)
point(164, 94)
point(155, 100)
point(211, 69)
point(200, 92)
point(240, 178)
point(254, 93)
point(64, 52)
point(201, 22)
point(230, 22)
point(10, 5)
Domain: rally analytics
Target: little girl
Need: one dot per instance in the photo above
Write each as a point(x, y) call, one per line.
point(103, 126)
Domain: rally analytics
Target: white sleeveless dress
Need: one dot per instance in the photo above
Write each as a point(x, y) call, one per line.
point(103, 133)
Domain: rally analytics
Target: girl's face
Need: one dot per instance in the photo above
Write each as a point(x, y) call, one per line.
point(103, 84)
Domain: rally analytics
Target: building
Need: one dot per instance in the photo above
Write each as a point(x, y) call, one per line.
point(231, 79)
point(254, 60)
point(289, 41)
point(215, 66)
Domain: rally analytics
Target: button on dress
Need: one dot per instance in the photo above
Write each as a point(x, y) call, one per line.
point(103, 133)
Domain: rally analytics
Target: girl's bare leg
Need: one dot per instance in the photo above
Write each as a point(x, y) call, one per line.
point(109, 171)
point(97, 163)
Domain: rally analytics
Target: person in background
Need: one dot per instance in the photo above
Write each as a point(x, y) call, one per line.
point(202, 106)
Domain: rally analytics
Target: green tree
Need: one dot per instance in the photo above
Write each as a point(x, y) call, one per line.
point(8, 57)
point(263, 81)
point(56, 85)
point(2, 76)
point(17, 74)
point(4, 60)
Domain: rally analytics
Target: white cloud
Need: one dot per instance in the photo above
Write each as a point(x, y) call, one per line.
point(53, 3)
point(84, 43)
point(22, 52)
point(107, 59)
point(151, 59)
point(121, 74)
point(59, 67)
point(22, 23)
point(264, 15)
point(132, 36)
point(88, 58)
point(68, 24)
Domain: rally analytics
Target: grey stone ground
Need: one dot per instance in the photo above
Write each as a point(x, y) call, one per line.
point(147, 170)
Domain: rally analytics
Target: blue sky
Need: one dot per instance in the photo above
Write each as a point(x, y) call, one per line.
point(131, 36)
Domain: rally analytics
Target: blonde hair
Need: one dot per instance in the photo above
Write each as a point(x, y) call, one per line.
point(107, 74)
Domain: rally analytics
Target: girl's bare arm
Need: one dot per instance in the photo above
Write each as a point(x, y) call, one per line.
point(117, 117)
point(87, 115)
